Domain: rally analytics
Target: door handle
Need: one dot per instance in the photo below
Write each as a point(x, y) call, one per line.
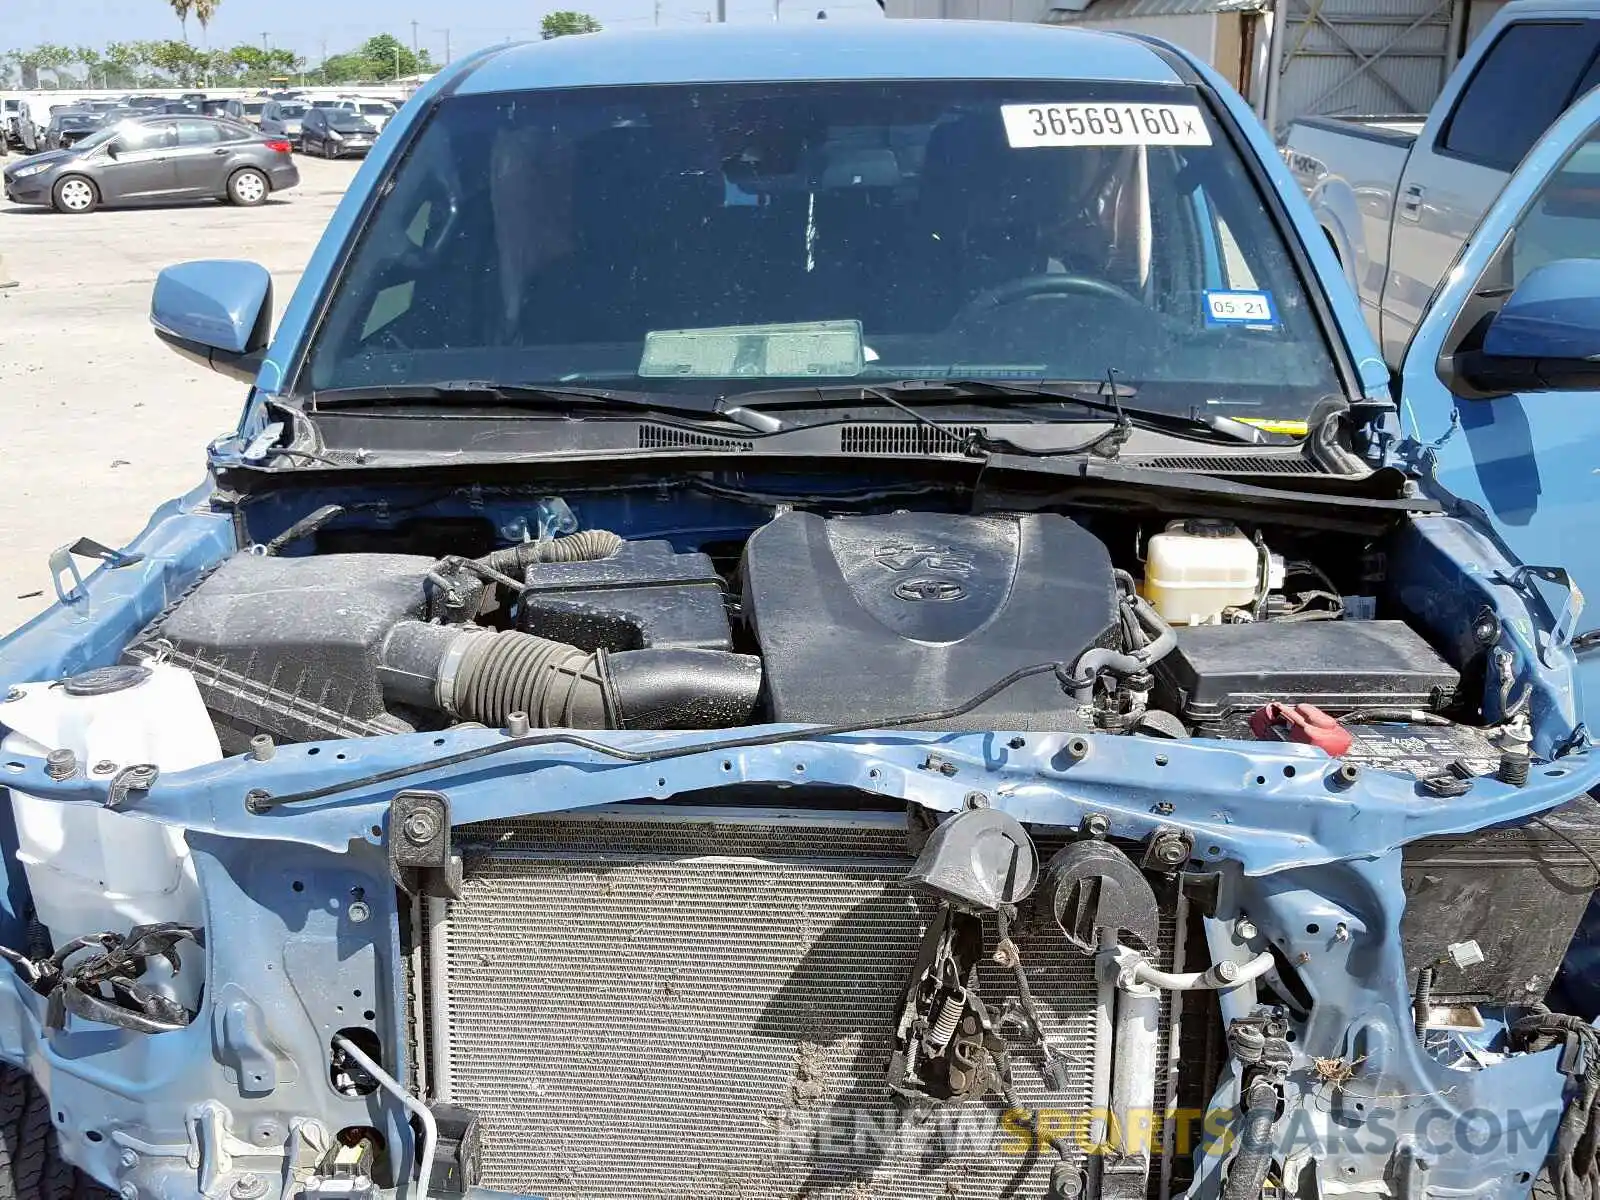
point(220, 150)
point(1411, 203)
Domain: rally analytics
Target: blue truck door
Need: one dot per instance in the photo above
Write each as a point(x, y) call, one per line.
point(1530, 461)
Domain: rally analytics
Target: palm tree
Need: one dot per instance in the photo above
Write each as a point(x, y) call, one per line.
point(204, 10)
point(182, 7)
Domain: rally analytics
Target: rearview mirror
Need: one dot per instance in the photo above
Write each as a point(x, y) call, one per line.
point(1546, 336)
point(217, 312)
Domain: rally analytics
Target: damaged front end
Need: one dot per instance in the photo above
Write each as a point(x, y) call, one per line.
point(902, 854)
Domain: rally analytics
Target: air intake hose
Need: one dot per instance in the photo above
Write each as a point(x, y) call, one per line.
point(484, 676)
point(588, 546)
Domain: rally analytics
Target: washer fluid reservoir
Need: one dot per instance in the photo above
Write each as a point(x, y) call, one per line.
point(1195, 569)
point(90, 869)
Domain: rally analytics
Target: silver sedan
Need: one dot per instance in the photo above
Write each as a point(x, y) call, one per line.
point(153, 160)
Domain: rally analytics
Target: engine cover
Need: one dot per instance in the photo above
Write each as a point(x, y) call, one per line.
point(866, 618)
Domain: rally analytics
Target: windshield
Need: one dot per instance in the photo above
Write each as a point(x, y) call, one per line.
point(376, 110)
point(289, 111)
point(344, 119)
point(253, 107)
point(714, 239)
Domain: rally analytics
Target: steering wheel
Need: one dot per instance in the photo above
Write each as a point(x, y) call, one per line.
point(1032, 286)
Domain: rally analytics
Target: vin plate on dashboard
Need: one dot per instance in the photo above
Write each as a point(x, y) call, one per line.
point(1104, 125)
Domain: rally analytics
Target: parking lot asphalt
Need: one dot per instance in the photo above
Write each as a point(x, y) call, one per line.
point(99, 422)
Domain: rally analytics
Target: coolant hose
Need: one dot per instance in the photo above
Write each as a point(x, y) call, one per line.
point(588, 546)
point(483, 676)
point(1248, 1174)
point(1098, 660)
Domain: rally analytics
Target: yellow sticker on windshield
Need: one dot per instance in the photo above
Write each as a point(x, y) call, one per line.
point(1276, 425)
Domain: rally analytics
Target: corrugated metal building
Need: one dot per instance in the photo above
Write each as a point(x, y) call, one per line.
point(1290, 58)
point(1228, 34)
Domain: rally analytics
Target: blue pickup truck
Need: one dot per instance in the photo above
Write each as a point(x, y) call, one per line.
point(845, 611)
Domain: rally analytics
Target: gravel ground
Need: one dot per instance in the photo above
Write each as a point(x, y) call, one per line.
point(99, 422)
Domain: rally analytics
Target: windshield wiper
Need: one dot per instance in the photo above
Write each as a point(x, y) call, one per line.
point(903, 394)
point(539, 397)
point(1090, 396)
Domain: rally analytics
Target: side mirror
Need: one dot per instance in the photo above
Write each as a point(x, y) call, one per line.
point(217, 312)
point(112, 150)
point(1546, 336)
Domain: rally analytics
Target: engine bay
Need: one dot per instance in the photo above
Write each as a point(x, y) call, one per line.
point(1094, 875)
point(1178, 627)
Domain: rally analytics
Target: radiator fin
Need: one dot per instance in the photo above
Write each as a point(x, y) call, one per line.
point(674, 1011)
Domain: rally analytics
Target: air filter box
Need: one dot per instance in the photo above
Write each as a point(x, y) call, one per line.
point(290, 646)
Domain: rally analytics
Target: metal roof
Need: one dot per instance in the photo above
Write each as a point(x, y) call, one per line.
point(1100, 10)
point(817, 50)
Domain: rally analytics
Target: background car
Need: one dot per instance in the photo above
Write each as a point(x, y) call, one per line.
point(336, 132)
point(33, 120)
point(68, 126)
point(379, 112)
point(154, 159)
point(281, 118)
point(8, 121)
point(123, 112)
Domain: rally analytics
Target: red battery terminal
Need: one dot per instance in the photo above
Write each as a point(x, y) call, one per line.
point(1300, 723)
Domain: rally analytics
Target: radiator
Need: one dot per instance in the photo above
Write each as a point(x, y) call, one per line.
point(641, 1008)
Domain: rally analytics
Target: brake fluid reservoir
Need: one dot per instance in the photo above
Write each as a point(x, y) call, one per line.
point(91, 869)
point(1195, 569)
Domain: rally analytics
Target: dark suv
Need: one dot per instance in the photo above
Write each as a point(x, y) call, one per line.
point(69, 126)
point(335, 132)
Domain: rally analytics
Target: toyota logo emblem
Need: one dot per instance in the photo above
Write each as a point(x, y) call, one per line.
point(929, 589)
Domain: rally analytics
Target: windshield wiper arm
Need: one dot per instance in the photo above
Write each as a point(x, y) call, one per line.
point(1107, 443)
point(547, 397)
point(1092, 396)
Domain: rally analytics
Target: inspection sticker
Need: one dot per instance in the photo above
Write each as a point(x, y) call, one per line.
point(1104, 125)
point(1240, 308)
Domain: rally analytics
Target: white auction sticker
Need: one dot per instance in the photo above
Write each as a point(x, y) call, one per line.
point(1240, 308)
point(1104, 125)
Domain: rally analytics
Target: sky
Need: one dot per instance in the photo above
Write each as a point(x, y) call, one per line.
point(305, 26)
